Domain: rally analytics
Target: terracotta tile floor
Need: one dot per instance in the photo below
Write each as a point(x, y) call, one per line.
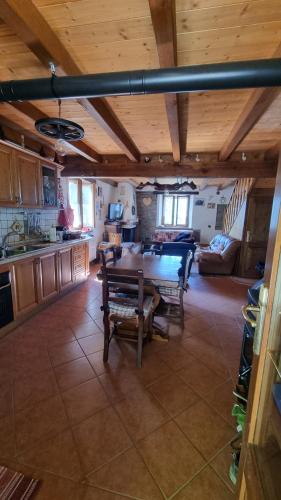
point(106, 432)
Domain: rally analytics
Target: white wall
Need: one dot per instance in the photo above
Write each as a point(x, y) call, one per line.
point(126, 194)
point(204, 218)
point(108, 196)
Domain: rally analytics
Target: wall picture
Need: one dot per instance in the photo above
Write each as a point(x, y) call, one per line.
point(200, 202)
point(211, 205)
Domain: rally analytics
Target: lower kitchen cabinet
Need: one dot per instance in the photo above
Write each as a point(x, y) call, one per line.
point(47, 276)
point(25, 286)
point(80, 261)
point(39, 279)
point(65, 268)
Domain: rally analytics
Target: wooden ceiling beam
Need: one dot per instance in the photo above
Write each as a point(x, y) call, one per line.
point(35, 32)
point(75, 167)
point(8, 124)
point(33, 113)
point(258, 103)
point(273, 152)
point(163, 17)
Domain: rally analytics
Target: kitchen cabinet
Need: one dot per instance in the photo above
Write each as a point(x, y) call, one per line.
point(80, 261)
point(38, 279)
point(29, 180)
point(25, 286)
point(65, 268)
point(49, 177)
point(47, 276)
point(26, 180)
point(8, 177)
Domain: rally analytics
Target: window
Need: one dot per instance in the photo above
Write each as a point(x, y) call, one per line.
point(81, 200)
point(87, 204)
point(173, 210)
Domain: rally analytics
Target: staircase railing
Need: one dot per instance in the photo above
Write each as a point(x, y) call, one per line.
point(239, 195)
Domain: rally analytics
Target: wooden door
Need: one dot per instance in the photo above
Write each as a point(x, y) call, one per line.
point(260, 459)
point(8, 194)
point(65, 268)
point(47, 278)
point(29, 180)
point(25, 286)
point(255, 237)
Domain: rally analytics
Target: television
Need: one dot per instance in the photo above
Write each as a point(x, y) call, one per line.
point(115, 211)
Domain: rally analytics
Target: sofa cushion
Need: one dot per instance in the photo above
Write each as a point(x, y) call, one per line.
point(184, 236)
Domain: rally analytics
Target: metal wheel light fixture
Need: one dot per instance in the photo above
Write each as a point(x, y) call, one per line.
point(59, 129)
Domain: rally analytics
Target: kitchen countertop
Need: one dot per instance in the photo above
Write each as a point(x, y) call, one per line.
point(47, 248)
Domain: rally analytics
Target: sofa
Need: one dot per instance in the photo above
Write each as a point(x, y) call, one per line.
point(185, 235)
point(219, 257)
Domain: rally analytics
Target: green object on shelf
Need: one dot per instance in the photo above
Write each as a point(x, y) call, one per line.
point(240, 414)
point(233, 472)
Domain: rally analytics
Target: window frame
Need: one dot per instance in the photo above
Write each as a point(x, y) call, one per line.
point(80, 183)
point(160, 211)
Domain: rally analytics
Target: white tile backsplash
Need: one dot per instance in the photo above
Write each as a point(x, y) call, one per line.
point(47, 218)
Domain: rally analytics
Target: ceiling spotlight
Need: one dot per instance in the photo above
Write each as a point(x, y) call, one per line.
point(243, 156)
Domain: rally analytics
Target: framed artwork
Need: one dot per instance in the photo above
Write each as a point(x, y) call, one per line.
point(200, 202)
point(211, 205)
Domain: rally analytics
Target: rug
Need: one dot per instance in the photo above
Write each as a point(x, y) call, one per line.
point(16, 486)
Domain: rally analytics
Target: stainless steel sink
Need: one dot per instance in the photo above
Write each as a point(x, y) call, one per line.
point(21, 249)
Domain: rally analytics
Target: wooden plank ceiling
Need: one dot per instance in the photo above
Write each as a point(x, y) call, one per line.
point(104, 36)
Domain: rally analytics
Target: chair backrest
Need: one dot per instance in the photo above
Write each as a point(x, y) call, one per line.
point(188, 264)
point(117, 281)
point(108, 255)
point(184, 250)
point(177, 248)
point(153, 247)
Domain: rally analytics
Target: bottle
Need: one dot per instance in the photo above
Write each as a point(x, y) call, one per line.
point(53, 234)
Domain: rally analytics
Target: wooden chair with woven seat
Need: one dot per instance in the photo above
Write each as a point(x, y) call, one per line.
point(175, 291)
point(130, 316)
point(108, 255)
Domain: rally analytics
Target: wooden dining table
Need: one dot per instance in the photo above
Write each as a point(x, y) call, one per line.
point(156, 268)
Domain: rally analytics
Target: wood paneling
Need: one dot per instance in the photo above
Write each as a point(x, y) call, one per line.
point(210, 118)
point(146, 121)
point(113, 36)
point(37, 34)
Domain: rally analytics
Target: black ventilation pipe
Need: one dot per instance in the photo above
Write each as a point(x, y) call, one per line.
point(234, 75)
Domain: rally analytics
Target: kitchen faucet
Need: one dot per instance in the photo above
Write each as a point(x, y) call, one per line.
point(4, 240)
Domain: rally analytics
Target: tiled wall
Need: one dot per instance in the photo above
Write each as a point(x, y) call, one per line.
point(46, 218)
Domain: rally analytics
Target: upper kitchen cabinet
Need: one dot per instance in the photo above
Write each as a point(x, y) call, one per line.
point(49, 176)
point(29, 180)
point(8, 192)
point(26, 180)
